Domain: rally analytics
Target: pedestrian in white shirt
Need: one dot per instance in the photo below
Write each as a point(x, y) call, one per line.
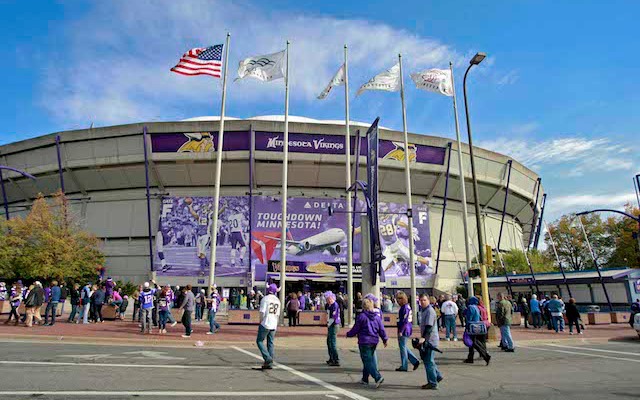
point(449, 310)
point(270, 309)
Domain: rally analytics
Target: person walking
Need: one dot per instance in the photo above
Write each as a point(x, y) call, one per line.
point(504, 316)
point(357, 304)
point(429, 340)
point(200, 300)
point(33, 302)
point(52, 306)
point(449, 310)
point(462, 307)
point(293, 305)
point(525, 311)
point(369, 329)
point(15, 298)
point(555, 307)
point(405, 330)
point(97, 301)
point(74, 294)
point(188, 305)
point(163, 311)
point(333, 326)
point(474, 316)
point(64, 294)
point(270, 309)
point(342, 304)
point(85, 300)
point(573, 316)
point(536, 313)
point(145, 298)
point(213, 302)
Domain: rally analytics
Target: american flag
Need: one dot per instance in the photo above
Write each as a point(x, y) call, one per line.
point(201, 61)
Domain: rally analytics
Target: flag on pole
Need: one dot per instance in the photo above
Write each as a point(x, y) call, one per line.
point(264, 68)
point(337, 80)
point(201, 61)
point(434, 80)
point(388, 80)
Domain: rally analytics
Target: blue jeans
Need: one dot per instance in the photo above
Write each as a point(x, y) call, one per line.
point(557, 323)
point(505, 336)
point(75, 310)
point(433, 373)
point(405, 354)
point(369, 362)
point(85, 313)
point(268, 352)
point(162, 314)
point(52, 308)
point(332, 342)
point(536, 319)
point(213, 325)
point(450, 325)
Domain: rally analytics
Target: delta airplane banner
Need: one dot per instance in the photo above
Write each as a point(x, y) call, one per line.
point(183, 241)
point(314, 238)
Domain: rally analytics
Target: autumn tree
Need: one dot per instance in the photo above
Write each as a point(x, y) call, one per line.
point(515, 262)
point(624, 232)
point(48, 244)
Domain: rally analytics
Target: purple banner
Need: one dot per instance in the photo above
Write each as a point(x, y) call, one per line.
point(183, 242)
point(394, 238)
point(198, 142)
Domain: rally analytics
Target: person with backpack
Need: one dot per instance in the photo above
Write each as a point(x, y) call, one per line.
point(474, 316)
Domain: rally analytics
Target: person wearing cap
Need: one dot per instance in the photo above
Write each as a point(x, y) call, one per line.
point(333, 326)
point(270, 309)
point(146, 306)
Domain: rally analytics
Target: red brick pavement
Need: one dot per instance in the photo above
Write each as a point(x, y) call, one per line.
point(126, 331)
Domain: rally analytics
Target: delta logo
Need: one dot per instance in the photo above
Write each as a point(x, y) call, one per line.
point(398, 152)
point(199, 142)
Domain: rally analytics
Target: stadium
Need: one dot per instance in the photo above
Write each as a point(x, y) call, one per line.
point(102, 171)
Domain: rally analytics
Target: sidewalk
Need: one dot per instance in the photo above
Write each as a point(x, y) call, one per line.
point(127, 332)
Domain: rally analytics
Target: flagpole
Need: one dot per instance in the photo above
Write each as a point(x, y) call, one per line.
point(462, 187)
point(216, 196)
point(407, 174)
point(348, 184)
point(285, 169)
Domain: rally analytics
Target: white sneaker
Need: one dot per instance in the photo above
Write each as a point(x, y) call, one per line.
point(570, 333)
point(209, 333)
point(581, 332)
point(174, 323)
point(455, 339)
point(186, 336)
point(447, 339)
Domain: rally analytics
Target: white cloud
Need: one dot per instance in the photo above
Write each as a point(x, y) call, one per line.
point(509, 78)
point(584, 201)
point(578, 155)
point(115, 67)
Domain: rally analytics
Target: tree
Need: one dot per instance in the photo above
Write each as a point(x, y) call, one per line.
point(571, 246)
point(516, 262)
point(624, 230)
point(48, 244)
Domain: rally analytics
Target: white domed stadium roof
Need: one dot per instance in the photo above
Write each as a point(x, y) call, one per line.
point(280, 118)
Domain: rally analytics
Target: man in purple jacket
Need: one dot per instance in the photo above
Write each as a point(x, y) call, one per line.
point(109, 285)
point(405, 329)
point(333, 324)
point(369, 329)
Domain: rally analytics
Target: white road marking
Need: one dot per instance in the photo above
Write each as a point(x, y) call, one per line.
point(583, 354)
point(85, 393)
point(592, 349)
point(333, 388)
point(331, 396)
point(72, 364)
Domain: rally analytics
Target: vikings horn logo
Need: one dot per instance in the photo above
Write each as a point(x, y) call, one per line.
point(398, 153)
point(199, 142)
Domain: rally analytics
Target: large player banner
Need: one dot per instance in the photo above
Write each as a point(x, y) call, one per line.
point(183, 242)
point(315, 240)
point(394, 238)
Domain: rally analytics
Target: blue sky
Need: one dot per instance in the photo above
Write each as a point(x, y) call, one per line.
point(559, 90)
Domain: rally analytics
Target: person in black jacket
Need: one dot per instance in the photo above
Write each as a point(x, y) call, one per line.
point(34, 301)
point(74, 294)
point(573, 315)
point(97, 300)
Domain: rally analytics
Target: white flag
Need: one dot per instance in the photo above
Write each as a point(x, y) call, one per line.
point(337, 80)
point(388, 80)
point(265, 68)
point(434, 80)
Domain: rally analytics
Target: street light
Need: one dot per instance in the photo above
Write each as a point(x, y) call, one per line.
point(477, 59)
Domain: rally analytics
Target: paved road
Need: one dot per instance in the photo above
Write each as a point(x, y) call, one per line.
point(589, 370)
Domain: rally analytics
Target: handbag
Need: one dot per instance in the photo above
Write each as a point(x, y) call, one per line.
point(476, 328)
point(467, 339)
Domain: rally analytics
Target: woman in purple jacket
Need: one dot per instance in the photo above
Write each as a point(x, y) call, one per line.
point(405, 330)
point(369, 329)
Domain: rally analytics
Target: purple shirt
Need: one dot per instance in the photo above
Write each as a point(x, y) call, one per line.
point(14, 293)
point(47, 294)
point(334, 313)
point(108, 287)
point(163, 303)
point(405, 325)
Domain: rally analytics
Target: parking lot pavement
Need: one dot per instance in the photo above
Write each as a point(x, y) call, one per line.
point(589, 370)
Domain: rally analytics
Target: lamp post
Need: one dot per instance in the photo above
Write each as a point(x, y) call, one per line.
point(4, 193)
